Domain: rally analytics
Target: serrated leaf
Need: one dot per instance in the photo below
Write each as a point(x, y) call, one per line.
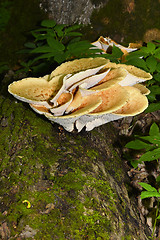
point(138, 62)
point(137, 144)
point(48, 23)
point(150, 155)
point(146, 194)
point(151, 63)
point(154, 130)
point(153, 107)
point(55, 44)
point(148, 187)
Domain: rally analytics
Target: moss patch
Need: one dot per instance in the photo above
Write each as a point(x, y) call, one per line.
point(68, 179)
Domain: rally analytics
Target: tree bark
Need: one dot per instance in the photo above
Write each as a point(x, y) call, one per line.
point(60, 185)
point(71, 11)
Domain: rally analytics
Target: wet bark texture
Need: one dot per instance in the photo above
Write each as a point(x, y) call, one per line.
point(60, 185)
point(71, 11)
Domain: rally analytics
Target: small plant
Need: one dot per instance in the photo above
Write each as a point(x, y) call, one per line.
point(151, 192)
point(148, 58)
point(151, 144)
point(55, 43)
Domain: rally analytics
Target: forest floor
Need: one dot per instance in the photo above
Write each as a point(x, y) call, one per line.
point(146, 172)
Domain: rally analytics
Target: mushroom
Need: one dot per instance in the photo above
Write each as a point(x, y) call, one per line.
point(36, 91)
point(133, 76)
point(85, 92)
point(107, 42)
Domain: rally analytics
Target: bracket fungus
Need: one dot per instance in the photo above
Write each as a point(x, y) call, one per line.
point(86, 92)
point(107, 43)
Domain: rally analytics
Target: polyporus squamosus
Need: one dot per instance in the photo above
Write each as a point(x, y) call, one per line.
point(86, 92)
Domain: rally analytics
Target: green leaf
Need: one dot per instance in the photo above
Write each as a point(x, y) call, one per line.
point(78, 48)
point(151, 63)
point(137, 144)
point(30, 45)
point(157, 55)
point(150, 155)
point(55, 44)
point(154, 130)
point(158, 180)
point(155, 89)
point(151, 47)
point(116, 52)
point(59, 58)
point(134, 164)
point(153, 107)
point(138, 62)
point(48, 23)
point(158, 217)
point(43, 49)
point(157, 51)
point(59, 28)
point(151, 97)
point(157, 76)
point(146, 194)
point(45, 56)
point(136, 54)
point(155, 139)
point(77, 39)
point(38, 36)
point(71, 28)
point(148, 187)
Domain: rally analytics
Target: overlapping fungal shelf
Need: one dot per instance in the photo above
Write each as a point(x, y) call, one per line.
point(86, 93)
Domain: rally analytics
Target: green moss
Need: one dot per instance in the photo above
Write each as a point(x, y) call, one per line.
point(45, 166)
point(92, 154)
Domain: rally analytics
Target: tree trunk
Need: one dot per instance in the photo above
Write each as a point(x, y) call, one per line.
point(60, 185)
point(71, 11)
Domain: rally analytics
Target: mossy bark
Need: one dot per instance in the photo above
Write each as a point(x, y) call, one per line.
point(75, 183)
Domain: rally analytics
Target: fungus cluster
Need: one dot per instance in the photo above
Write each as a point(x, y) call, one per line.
point(85, 92)
point(107, 43)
